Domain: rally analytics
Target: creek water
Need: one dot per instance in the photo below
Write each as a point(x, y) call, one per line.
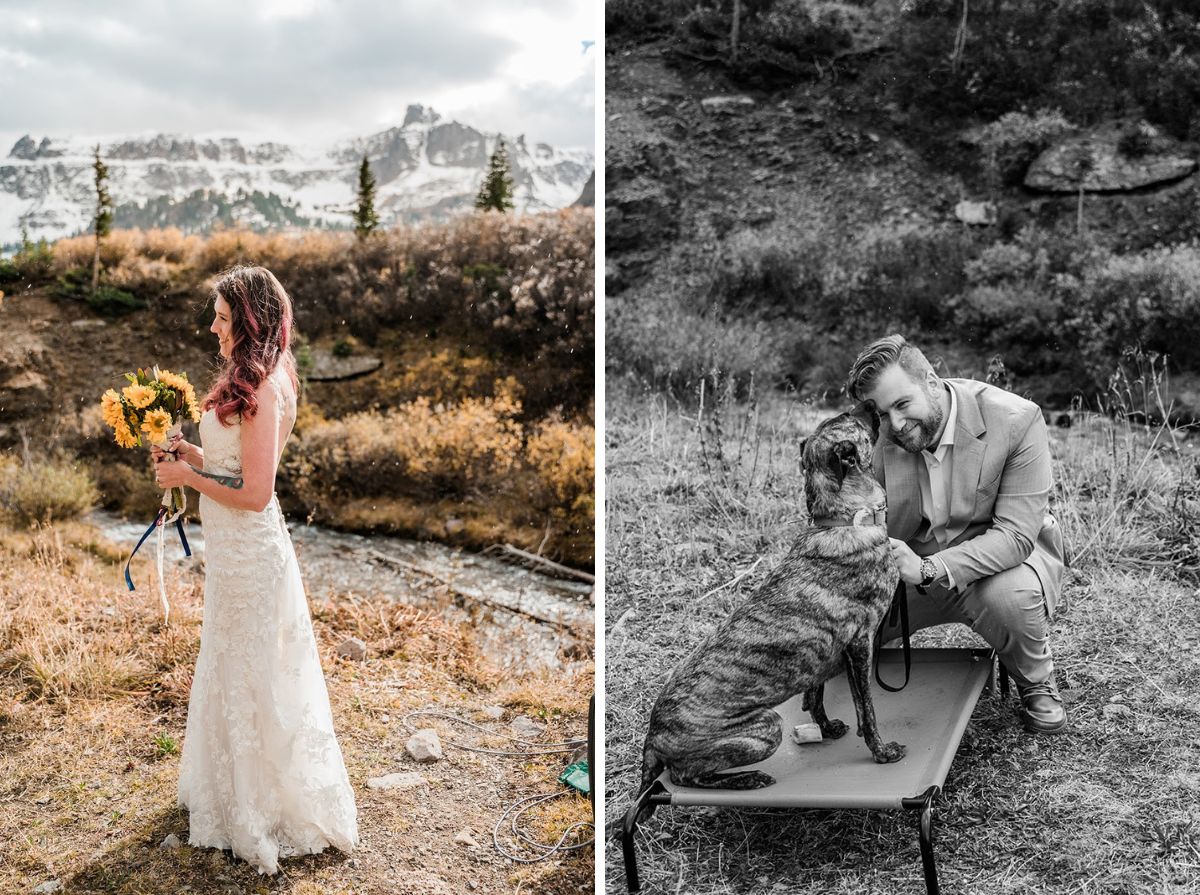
point(336, 562)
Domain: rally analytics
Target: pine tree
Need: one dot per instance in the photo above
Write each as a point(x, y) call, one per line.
point(497, 190)
point(104, 214)
point(365, 218)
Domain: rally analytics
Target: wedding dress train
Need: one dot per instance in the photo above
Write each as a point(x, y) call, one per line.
point(261, 771)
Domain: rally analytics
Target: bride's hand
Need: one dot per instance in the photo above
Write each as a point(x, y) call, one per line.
point(172, 475)
point(177, 446)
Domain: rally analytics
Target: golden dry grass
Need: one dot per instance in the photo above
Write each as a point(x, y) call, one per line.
point(93, 697)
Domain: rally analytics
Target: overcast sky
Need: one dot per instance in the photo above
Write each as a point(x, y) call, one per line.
point(295, 70)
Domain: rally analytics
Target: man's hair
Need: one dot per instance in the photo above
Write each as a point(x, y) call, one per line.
point(881, 354)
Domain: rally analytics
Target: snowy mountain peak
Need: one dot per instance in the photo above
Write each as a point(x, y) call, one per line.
point(427, 168)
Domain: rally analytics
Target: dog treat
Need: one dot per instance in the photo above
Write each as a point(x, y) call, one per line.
point(806, 733)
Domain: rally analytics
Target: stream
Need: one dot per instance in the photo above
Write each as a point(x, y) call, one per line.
point(334, 562)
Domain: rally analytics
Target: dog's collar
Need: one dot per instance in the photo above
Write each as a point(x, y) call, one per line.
point(864, 516)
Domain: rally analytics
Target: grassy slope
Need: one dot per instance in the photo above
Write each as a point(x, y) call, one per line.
point(93, 699)
point(1109, 807)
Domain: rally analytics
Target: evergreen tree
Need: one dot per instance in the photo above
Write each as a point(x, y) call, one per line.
point(365, 218)
point(104, 214)
point(497, 190)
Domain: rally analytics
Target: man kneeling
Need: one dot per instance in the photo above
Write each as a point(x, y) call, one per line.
point(966, 468)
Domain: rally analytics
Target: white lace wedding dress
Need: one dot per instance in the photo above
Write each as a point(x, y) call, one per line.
point(261, 771)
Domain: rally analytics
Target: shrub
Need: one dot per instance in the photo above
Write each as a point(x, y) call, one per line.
point(779, 40)
point(34, 260)
point(109, 301)
point(637, 18)
point(1150, 300)
point(563, 455)
point(421, 448)
point(44, 490)
point(1010, 143)
point(344, 347)
point(9, 272)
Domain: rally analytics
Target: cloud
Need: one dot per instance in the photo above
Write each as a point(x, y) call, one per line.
point(291, 69)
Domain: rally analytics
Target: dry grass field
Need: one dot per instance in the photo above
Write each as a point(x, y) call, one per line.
point(701, 498)
point(93, 699)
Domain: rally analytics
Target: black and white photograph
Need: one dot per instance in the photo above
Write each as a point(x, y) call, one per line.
point(901, 476)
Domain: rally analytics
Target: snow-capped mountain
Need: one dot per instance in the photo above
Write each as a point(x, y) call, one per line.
point(424, 169)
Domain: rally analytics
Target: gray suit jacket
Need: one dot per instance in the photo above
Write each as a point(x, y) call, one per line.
point(1000, 490)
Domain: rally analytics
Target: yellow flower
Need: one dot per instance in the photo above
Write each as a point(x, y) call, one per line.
point(172, 380)
point(139, 395)
point(155, 425)
point(124, 437)
point(110, 408)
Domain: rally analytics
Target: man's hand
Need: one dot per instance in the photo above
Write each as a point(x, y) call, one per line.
point(907, 561)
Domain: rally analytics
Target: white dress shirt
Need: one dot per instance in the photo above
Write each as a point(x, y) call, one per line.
point(935, 484)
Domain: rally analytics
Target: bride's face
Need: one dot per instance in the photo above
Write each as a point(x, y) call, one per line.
point(222, 326)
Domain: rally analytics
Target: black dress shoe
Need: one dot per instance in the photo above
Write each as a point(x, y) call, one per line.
point(1042, 709)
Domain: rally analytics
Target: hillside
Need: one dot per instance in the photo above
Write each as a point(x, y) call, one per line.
point(783, 221)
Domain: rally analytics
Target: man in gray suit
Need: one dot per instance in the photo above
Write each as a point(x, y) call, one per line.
point(966, 467)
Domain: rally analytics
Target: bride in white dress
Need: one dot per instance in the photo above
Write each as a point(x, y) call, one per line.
point(261, 771)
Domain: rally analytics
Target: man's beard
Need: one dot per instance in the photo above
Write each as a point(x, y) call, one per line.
point(919, 435)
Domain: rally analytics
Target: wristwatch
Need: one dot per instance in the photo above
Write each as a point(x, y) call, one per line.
point(929, 572)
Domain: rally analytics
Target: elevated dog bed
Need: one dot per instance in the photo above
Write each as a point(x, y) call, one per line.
point(928, 716)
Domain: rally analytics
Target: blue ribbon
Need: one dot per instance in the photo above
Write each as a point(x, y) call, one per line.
point(158, 518)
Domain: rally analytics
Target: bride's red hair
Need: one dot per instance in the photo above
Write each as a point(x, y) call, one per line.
point(260, 313)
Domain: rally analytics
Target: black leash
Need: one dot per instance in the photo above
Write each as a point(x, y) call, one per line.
point(899, 610)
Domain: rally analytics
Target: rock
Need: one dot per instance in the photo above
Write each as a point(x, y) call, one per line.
point(526, 727)
point(1096, 159)
point(54, 885)
point(725, 104)
point(424, 746)
point(806, 733)
point(1117, 710)
point(171, 841)
point(326, 366)
point(94, 323)
point(397, 781)
point(454, 526)
point(352, 648)
point(495, 712)
point(975, 212)
point(465, 837)
point(642, 196)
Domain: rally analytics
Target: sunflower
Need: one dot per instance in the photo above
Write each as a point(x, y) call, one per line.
point(124, 436)
point(110, 408)
point(139, 395)
point(173, 380)
point(155, 425)
point(192, 404)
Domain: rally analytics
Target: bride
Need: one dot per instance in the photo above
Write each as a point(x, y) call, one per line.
point(261, 772)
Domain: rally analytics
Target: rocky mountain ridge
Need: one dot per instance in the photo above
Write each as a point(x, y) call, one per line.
point(427, 168)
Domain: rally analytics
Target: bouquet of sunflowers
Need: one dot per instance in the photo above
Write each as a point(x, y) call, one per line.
point(152, 409)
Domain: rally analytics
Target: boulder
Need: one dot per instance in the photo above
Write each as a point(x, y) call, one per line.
point(352, 648)
point(397, 782)
point(424, 746)
point(981, 213)
point(726, 104)
point(1096, 159)
point(327, 366)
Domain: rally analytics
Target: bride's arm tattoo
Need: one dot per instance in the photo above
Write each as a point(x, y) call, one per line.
point(229, 481)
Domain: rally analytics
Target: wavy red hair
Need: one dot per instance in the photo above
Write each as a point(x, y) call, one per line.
point(260, 313)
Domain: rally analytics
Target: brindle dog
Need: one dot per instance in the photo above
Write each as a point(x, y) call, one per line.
point(816, 612)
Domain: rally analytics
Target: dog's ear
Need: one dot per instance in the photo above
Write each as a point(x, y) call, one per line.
point(845, 458)
point(865, 412)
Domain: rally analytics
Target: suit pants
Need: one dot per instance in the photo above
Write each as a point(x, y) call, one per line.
point(1008, 610)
